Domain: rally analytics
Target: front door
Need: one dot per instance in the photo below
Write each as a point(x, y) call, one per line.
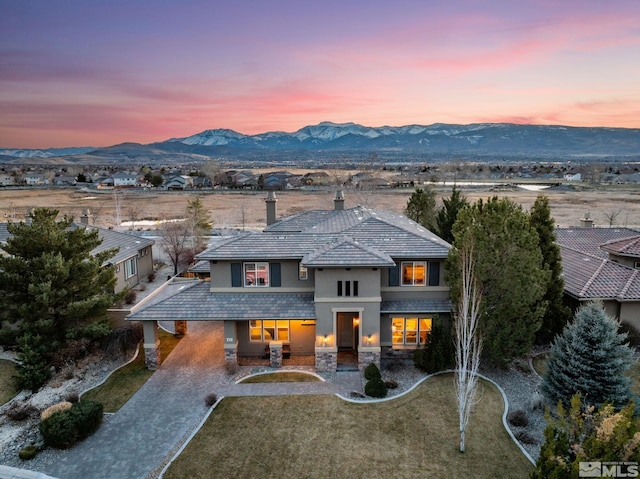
point(347, 330)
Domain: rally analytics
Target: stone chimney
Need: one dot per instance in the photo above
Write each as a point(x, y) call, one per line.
point(338, 201)
point(586, 222)
point(271, 201)
point(85, 217)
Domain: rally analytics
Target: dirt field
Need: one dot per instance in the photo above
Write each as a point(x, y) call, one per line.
point(619, 205)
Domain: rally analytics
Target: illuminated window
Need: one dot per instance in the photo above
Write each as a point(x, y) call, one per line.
point(303, 273)
point(268, 330)
point(414, 273)
point(410, 330)
point(256, 274)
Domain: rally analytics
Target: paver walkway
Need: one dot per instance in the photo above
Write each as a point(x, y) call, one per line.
point(138, 438)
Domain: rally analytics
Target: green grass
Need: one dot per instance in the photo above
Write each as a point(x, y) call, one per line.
point(413, 436)
point(126, 381)
point(283, 377)
point(7, 386)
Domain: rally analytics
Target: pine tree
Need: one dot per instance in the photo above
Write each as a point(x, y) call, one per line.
point(557, 314)
point(448, 214)
point(53, 289)
point(510, 274)
point(590, 357)
point(421, 208)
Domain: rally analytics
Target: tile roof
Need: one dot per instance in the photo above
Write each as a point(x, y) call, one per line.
point(194, 301)
point(624, 247)
point(409, 306)
point(344, 251)
point(590, 240)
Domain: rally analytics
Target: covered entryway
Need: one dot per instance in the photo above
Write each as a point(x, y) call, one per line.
point(347, 331)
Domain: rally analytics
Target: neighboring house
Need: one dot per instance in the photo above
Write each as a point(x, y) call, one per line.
point(6, 180)
point(321, 283)
point(179, 182)
point(573, 177)
point(33, 179)
point(602, 264)
point(64, 180)
point(104, 182)
point(133, 261)
point(125, 179)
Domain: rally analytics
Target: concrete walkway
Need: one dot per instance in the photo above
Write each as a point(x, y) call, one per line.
point(135, 442)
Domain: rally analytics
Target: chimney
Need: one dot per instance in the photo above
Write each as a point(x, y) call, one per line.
point(85, 217)
point(271, 201)
point(338, 201)
point(586, 222)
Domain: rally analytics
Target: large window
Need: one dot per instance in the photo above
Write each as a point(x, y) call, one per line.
point(268, 330)
point(130, 268)
point(414, 273)
point(410, 331)
point(256, 274)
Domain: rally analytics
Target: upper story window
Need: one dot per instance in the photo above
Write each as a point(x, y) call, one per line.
point(347, 288)
point(256, 274)
point(414, 273)
point(303, 272)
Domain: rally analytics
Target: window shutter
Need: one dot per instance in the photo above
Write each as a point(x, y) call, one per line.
point(274, 274)
point(434, 273)
point(394, 275)
point(236, 275)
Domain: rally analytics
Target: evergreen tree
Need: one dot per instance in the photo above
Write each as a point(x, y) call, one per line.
point(448, 214)
point(590, 357)
point(53, 289)
point(421, 208)
point(510, 274)
point(557, 314)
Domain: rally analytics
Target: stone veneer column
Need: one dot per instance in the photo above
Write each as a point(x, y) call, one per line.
point(151, 345)
point(231, 352)
point(326, 360)
point(368, 355)
point(180, 327)
point(275, 354)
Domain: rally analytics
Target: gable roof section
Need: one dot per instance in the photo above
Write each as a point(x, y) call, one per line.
point(347, 252)
point(624, 247)
point(590, 240)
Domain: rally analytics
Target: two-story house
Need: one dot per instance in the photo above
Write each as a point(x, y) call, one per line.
point(319, 283)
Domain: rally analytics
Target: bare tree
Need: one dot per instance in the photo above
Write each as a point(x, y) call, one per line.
point(612, 216)
point(468, 343)
point(176, 242)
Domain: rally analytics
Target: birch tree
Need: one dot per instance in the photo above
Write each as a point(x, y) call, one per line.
point(468, 343)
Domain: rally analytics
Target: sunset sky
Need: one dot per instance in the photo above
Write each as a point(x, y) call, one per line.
point(97, 73)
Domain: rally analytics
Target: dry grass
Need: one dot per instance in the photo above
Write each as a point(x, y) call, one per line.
point(7, 386)
point(414, 436)
point(126, 381)
point(281, 377)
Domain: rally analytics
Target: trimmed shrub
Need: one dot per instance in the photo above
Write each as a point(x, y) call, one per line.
point(518, 418)
point(372, 372)
point(375, 388)
point(525, 438)
point(61, 406)
point(72, 397)
point(391, 384)
point(130, 296)
point(27, 453)
point(64, 429)
point(231, 367)
point(210, 399)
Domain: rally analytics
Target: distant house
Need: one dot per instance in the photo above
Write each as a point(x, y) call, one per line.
point(603, 264)
point(573, 177)
point(64, 180)
point(179, 182)
point(125, 179)
point(330, 284)
point(104, 182)
point(34, 179)
point(6, 180)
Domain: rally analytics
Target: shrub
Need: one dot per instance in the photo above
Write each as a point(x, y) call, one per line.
point(391, 384)
point(72, 397)
point(518, 418)
point(61, 406)
point(231, 367)
point(27, 453)
point(66, 428)
point(438, 352)
point(21, 412)
point(130, 296)
point(375, 388)
point(372, 372)
point(210, 399)
point(525, 438)
point(151, 278)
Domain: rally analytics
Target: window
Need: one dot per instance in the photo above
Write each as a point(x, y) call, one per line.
point(256, 274)
point(414, 273)
point(261, 331)
point(410, 331)
point(303, 273)
point(347, 288)
point(130, 268)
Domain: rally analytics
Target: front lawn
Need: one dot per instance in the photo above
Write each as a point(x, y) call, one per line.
point(413, 436)
point(7, 385)
point(126, 381)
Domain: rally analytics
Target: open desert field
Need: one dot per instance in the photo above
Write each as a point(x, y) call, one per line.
point(616, 204)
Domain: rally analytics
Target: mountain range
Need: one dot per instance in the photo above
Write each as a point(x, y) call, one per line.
point(353, 141)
